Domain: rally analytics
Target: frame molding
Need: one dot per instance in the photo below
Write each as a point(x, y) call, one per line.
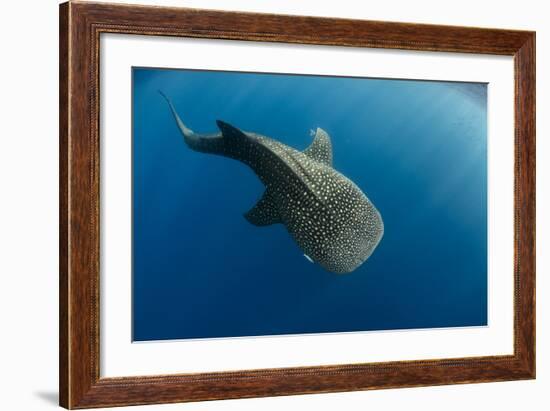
point(80, 25)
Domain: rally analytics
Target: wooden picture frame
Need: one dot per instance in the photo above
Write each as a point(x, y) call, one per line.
point(80, 27)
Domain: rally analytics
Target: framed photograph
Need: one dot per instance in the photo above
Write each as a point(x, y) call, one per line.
point(258, 205)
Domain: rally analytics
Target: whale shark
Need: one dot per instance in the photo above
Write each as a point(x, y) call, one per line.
point(329, 217)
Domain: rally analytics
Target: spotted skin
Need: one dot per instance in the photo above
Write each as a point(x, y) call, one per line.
point(328, 216)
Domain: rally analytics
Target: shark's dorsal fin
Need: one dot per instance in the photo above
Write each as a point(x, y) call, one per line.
point(230, 132)
point(265, 211)
point(321, 148)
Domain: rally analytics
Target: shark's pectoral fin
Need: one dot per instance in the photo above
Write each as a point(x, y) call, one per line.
point(265, 212)
point(321, 148)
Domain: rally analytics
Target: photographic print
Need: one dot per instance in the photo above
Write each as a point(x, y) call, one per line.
point(281, 204)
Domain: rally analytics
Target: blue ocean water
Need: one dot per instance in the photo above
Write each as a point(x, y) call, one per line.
point(417, 149)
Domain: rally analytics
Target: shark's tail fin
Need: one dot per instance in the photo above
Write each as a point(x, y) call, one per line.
point(187, 132)
point(198, 142)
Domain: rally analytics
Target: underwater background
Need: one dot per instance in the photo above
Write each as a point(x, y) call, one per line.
point(417, 149)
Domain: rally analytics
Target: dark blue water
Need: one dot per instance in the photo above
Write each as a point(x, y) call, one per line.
point(416, 148)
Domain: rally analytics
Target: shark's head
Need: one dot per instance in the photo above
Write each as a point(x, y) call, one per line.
point(352, 230)
point(354, 244)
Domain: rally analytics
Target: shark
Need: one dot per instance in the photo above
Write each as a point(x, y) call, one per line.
point(332, 221)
